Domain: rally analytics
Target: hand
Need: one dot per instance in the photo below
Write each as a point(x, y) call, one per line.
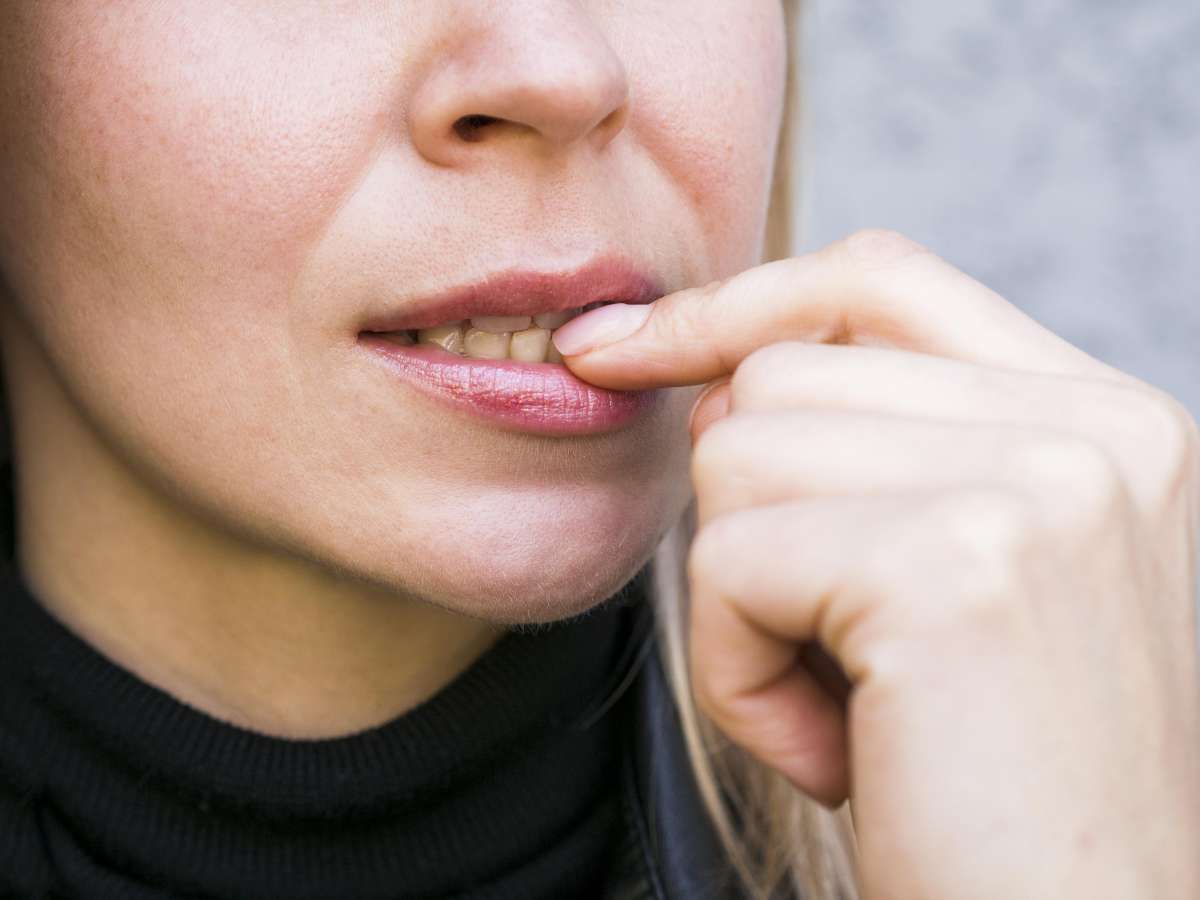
point(992, 532)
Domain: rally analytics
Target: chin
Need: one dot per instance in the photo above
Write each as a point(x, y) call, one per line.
point(557, 595)
point(567, 582)
point(550, 564)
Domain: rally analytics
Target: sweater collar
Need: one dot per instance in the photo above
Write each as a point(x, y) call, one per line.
point(502, 778)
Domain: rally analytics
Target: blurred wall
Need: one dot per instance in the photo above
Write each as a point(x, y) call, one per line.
point(1050, 148)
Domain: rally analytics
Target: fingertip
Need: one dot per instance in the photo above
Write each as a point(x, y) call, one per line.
point(600, 328)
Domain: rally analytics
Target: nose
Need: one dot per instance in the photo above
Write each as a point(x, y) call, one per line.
point(542, 75)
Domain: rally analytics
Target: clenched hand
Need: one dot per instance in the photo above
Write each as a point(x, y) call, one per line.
point(992, 532)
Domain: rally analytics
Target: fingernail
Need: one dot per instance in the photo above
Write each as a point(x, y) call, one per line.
point(711, 404)
point(602, 326)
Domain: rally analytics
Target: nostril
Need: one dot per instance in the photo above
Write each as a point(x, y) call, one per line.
point(467, 127)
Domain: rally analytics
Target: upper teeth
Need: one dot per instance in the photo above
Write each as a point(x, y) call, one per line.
point(448, 337)
point(554, 319)
point(521, 338)
point(501, 324)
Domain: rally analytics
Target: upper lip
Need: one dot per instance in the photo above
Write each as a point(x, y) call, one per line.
point(512, 292)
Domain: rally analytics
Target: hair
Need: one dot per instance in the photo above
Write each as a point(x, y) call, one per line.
point(775, 837)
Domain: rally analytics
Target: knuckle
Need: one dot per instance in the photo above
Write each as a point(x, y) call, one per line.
point(707, 549)
point(988, 526)
point(964, 534)
point(682, 314)
point(967, 552)
point(1056, 464)
point(769, 359)
point(878, 248)
point(1168, 430)
point(687, 321)
point(687, 314)
point(714, 452)
point(763, 369)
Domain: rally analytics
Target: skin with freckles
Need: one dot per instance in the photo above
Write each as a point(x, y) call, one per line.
point(202, 203)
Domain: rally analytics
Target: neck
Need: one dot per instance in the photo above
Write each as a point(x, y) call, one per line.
point(247, 632)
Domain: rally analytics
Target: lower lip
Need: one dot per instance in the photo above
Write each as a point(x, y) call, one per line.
point(542, 398)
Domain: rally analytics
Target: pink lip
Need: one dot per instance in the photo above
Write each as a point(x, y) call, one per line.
point(515, 293)
point(543, 398)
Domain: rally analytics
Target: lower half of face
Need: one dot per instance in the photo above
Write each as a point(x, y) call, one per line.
point(211, 204)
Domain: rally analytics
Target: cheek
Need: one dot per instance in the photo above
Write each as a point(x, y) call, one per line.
point(169, 174)
point(187, 158)
point(708, 108)
point(178, 171)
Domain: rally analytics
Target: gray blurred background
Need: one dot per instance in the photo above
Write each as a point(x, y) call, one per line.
point(1050, 148)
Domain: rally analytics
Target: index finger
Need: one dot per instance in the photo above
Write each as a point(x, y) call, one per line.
point(875, 287)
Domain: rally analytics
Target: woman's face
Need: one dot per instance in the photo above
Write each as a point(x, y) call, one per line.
point(203, 203)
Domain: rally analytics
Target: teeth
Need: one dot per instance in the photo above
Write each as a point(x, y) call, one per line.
point(529, 345)
point(448, 337)
point(501, 324)
point(553, 320)
point(519, 338)
point(487, 344)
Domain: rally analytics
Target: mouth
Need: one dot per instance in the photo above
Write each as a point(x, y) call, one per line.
point(513, 315)
point(526, 338)
point(486, 349)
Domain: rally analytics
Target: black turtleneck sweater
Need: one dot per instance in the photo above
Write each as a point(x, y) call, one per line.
point(502, 785)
